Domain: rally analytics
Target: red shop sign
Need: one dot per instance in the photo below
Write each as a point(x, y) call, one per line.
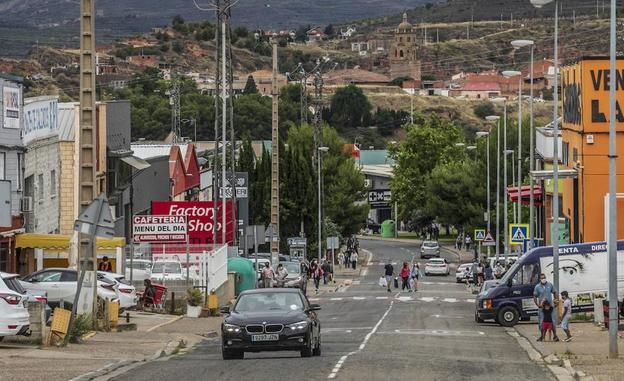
point(199, 216)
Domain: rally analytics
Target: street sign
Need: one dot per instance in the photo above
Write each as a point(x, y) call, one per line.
point(479, 234)
point(159, 229)
point(271, 234)
point(518, 233)
point(488, 240)
point(105, 227)
point(379, 197)
point(240, 193)
point(333, 243)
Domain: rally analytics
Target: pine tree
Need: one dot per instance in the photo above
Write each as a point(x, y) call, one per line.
point(250, 86)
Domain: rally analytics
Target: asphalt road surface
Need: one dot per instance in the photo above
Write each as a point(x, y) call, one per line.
point(370, 334)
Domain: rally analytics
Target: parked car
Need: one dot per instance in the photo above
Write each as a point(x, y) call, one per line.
point(430, 249)
point(296, 278)
point(141, 269)
point(12, 281)
point(167, 271)
point(488, 284)
point(459, 273)
point(437, 266)
point(60, 284)
point(14, 318)
point(372, 227)
point(271, 319)
point(126, 292)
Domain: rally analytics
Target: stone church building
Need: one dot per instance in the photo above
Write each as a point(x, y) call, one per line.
point(403, 55)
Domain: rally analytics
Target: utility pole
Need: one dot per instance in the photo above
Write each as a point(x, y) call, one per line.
point(174, 102)
point(87, 138)
point(275, 216)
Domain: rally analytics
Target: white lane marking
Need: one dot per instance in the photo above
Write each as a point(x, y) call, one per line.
point(359, 297)
point(381, 298)
point(432, 332)
point(426, 299)
point(336, 298)
point(314, 299)
point(447, 317)
point(404, 298)
point(345, 329)
point(362, 346)
point(471, 300)
point(449, 300)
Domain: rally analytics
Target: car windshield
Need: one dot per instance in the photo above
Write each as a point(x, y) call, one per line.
point(167, 267)
point(509, 274)
point(430, 244)
point(140, 265)
point(292, 267)
point(269, 301)
point(14, 285)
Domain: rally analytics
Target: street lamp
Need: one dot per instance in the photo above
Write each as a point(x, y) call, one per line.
point(321, 150)
point(192, 121)
point(513, 176)
point(496, 118)
point(506, 215)
point(485, 134)
point(509, 74)
point(518, 44)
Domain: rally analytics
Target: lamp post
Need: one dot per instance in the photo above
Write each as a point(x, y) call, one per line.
point(521, 44)
point(513, 176)
point(509, 74)
point(192, 121)
point(481, 134)
point(496, 118)
point(321, 150)
point(555, 201)
point(506, 215)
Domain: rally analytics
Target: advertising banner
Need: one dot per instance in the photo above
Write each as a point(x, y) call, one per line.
point(159, 229)
point(40, 118)
point(11, 107)
point(199, 216)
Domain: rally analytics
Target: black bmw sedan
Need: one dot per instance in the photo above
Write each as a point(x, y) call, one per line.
point(272, 319)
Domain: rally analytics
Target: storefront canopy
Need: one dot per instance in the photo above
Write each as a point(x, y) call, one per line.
point(526, 194)
point(60, 242)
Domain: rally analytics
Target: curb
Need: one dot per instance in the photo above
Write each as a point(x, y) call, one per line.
point(562, 370)
point(165, 323)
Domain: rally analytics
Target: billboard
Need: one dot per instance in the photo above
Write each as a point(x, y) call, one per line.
point(40, 118)
point(159, 229)
point(199, 216)
point(11, 100)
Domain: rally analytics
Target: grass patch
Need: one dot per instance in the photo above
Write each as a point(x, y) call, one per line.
point(82, 326)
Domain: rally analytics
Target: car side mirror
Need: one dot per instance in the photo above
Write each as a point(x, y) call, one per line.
point(315, 307)
point(225, 310)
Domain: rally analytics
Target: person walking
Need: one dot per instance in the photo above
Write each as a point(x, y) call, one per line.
point(281, 275)
point(317, 274)
point(268, 275)
point(498, 270)
point(489, 275)
point(326, 271)
point(544, 291)
point(467, 241)
point(479, 274)
point(389, 272)
point(354, 259)
point(404, 274)
point(566, 316)
point(415, 275)
point(458, 242)
point(341, 260)
point(547, 322)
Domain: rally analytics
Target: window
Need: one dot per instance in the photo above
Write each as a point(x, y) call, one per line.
point(400, 39)
point(565, 155)
point(401, 54)
point(574, 155)
point(527, 274)
point(40, 188)
point(53, 183)
point(20, 171)
point(46, 276)
point(2, 166)
point(69, 276)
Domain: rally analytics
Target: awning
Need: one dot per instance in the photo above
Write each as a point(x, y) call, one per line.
point(549, 174)
point(60, 242)
point(136, 162)
point(525, 192)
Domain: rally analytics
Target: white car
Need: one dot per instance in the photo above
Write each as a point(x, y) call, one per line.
point(12, 282)
point(125, 291)
point(437, 266)
point(141, 269)
point(60, 284)
point(460, 276)
point(14, 318)
point(167, 271)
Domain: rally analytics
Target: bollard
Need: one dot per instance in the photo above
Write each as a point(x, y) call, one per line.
point(127, 317)
point(172, 311)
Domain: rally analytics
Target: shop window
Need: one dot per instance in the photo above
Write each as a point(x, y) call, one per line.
point(40, 188)
point(565, 154)
point(53, 183)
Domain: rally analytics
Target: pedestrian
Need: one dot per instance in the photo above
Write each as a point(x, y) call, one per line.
point(567, 315)
point(458, 242)
point(467, 241)
point(544, 291)
point(354, 259)
point(498, 270)
point(281, 275)
point(268, 275)
point(105, 265)
point(326, 270)
point(466, 275)
point(347, 259)
point(489, 275)
point(317, 274)
point(547, 321)
point(388, 272)
point(479, 274)
point(341, 258)
point(149, 293)
point(415, 275)
point(404, 274)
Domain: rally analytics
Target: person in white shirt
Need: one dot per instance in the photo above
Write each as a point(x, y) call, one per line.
point(567, 315)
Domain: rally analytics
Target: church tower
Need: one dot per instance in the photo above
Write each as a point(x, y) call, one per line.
point(404, 57)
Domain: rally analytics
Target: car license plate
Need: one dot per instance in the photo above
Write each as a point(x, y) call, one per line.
point(271, 337)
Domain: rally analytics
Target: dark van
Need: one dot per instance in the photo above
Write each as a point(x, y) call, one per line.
point(582, 272)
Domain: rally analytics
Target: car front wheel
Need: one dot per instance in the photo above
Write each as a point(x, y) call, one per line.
point(508, 316)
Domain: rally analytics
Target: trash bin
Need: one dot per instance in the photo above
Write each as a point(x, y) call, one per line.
point(388, 229)
point(246, 279)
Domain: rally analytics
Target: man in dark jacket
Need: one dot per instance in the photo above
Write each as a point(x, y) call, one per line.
point(389, 272)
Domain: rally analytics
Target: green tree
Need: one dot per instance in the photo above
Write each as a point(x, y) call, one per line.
point(250, 86)
point(349, 107)
point(484, 109)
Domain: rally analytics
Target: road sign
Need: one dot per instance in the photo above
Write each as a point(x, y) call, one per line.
point(333, 243)
point(479, 234)
point(518, 233)
point(271, 234)
point(159, 229)
point(379, 198)
point(104, 225)
point(488, 240)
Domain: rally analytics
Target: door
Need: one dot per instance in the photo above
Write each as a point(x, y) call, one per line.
point(522, 286)
point(46, 283)
point(68, 286)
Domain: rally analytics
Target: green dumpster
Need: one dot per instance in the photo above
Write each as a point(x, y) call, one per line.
point(245, 274)
point(387, 229)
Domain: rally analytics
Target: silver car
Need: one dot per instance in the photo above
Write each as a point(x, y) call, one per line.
point(430, 249)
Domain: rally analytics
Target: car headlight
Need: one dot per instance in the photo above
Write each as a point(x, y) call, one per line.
point(232, 328)
point(299, 326)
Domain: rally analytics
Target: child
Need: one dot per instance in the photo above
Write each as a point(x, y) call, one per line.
point(567, 314)
point(547, 323)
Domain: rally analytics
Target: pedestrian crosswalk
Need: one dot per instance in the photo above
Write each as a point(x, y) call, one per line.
point(401, 298)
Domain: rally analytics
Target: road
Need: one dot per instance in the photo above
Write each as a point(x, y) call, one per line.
point(370, 334)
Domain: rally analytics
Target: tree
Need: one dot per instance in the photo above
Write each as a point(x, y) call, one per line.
point(483, 109)
point(348, 108)
point(250, 86)
point(329, 30)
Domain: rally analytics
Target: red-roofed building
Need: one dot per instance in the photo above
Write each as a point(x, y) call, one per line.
point(479, 90)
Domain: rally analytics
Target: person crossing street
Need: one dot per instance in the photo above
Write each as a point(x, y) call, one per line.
point(389, 272)
point(405, 277)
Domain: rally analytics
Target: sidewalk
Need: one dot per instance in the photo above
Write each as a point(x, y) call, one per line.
point(587, 353)
point(343, 277)
point(156, 335)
